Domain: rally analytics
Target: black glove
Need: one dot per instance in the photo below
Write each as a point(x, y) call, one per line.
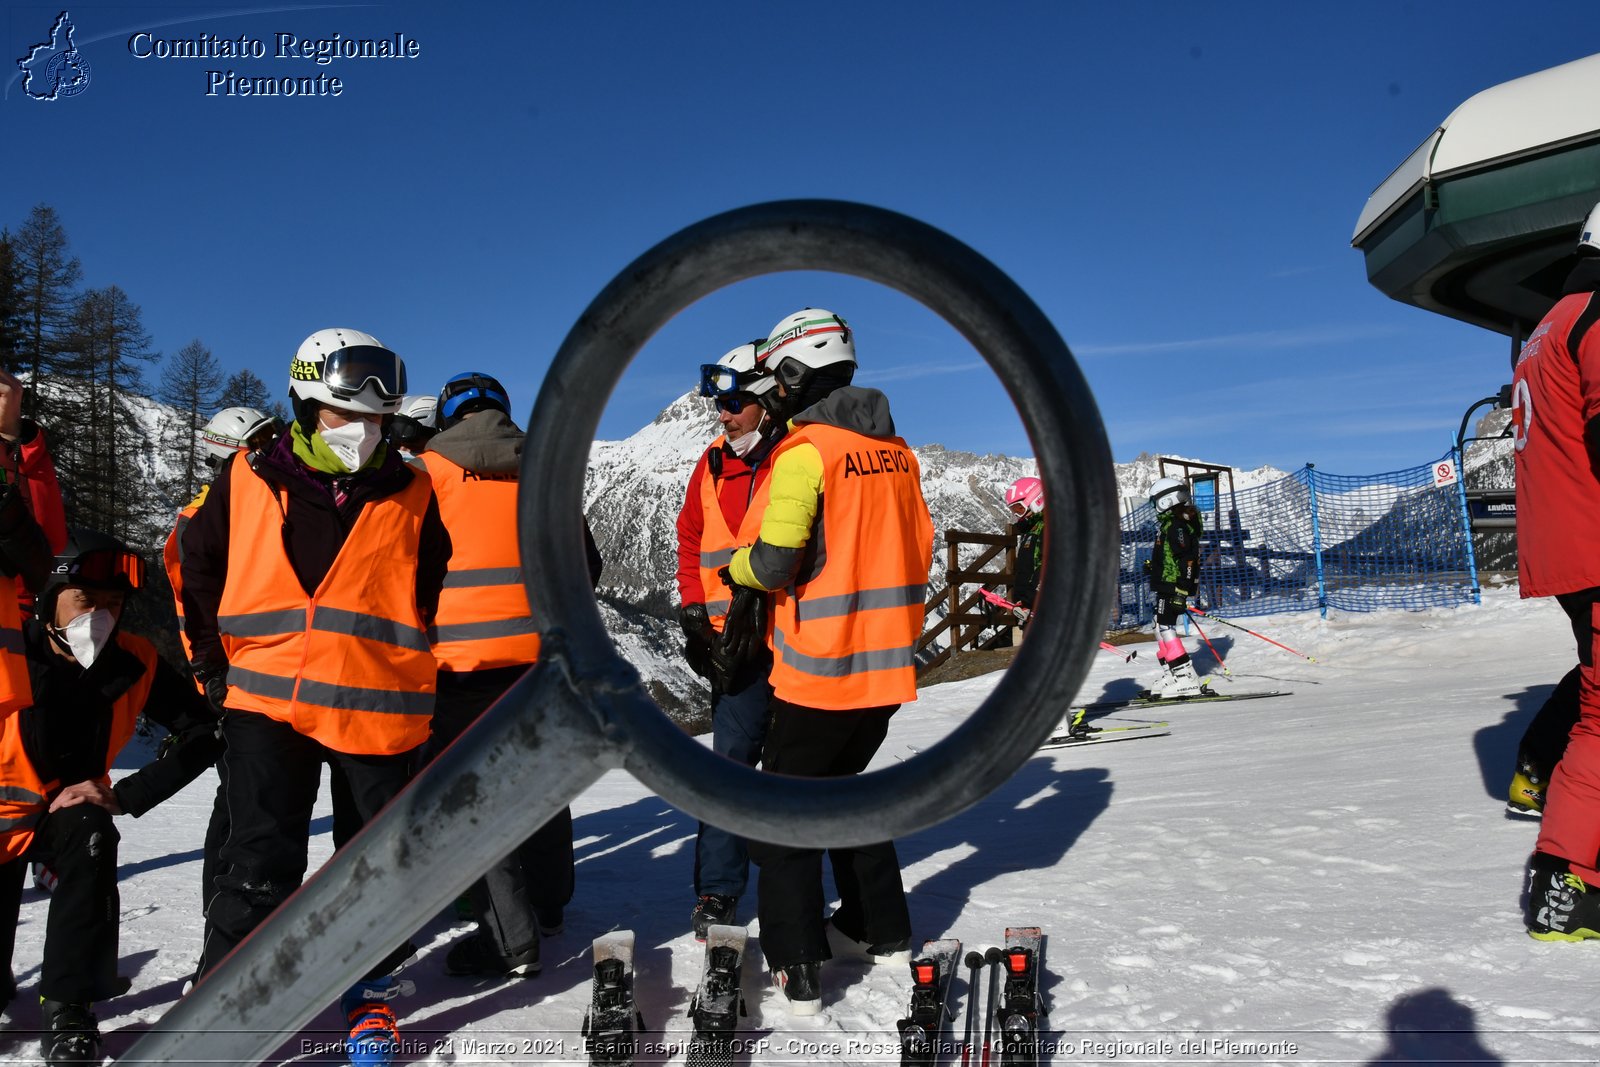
point(744, 633)
point(213, 678)
point(699, 638)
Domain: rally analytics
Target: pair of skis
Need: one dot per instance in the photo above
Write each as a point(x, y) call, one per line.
point(612, 1026)
point(1014, 1005)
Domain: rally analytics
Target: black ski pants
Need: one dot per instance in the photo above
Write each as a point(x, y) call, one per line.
point(80, 936)
point(346, 821)
point(1545, 739)
point(271, 773)
point(814, 743)
point(537, 876)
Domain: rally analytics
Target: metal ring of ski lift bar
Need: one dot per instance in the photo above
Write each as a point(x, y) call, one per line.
point(1044, 381)
point(582, 708)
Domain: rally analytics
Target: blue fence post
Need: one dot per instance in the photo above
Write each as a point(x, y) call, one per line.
point(1459, 454)
point(1316, 541)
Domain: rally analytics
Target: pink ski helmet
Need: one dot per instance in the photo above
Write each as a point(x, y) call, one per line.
point(1029, 492)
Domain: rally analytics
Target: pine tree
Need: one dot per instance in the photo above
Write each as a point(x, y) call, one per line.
point(10, 304)
point(245, 390)
point(190, 381)
point(106, 457)
point(46, 276)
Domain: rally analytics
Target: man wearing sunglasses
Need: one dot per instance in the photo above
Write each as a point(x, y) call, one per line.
point(844, 549)
point(90, 682)
point(717, 516)
point(310, 578)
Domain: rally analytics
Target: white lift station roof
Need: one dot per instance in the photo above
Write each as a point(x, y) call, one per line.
point(1471, 223)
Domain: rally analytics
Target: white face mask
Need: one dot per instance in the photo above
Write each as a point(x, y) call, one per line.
point(744, 445)
point(87, 635)
point(353, 443)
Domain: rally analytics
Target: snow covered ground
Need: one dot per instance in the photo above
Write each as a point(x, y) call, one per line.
point(1326, 877)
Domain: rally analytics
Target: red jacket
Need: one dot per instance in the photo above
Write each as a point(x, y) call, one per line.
point(735, 488)
point(1556, 393)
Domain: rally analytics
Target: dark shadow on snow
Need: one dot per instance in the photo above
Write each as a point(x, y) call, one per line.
point(1431, 1026)
point(1496, 746)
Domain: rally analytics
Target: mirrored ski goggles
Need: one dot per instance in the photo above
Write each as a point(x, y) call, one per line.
point(717, 380)
point(348, 370)
point(105, 567)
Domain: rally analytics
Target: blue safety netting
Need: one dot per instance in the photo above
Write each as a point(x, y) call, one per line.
point(1313, 541)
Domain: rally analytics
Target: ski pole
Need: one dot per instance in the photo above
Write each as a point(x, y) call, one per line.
point(992, 958)
point(1023, 614)
point(974, 965)
point(1214, 654)
point(1252, 633)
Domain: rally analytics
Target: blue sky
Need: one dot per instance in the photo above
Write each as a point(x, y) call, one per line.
point(1174, 184)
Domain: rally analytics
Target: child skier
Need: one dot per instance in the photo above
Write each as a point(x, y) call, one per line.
point(1174, 569)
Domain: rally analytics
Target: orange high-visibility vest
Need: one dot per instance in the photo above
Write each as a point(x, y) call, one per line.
point(349, 667)
point(172, 560)
point(483, 620)
point(846, 637)
point(16, 690)
point(717, 541)
point(24, 796)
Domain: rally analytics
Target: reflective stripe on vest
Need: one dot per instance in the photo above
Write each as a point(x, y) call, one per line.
point(717, 540)
point(847, 638)
point(16, 690)
point(172, 562)
point(24, 797)
point(484, 620)
point(349, 666)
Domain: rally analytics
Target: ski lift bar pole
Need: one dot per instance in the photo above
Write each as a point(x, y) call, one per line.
point(582, 709)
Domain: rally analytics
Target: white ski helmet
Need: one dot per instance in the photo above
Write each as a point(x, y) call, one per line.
point(1168, 493)
point(233, 430)
point(420, 408)
point(1589, 238)
point(736, 372)
point(812, 339)
point(348, 370)
point(1029, 492)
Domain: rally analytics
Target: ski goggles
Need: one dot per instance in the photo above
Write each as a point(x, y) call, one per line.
point(725, 387)
point(347, 371)
point(103, 567)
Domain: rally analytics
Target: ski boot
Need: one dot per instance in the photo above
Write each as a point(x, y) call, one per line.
point(801, 986)
point(72, 1033)
point(1527, 790)
point(1177, 682)
point(374, 1039)
point(713, 910)
point(845, 946)
point(1561, 906)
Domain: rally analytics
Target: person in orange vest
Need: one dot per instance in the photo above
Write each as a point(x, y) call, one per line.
point(846, 584)
point(717, 516)
point(226, 434)
point(310, 578)
point(484, 640)
point(91, 681)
